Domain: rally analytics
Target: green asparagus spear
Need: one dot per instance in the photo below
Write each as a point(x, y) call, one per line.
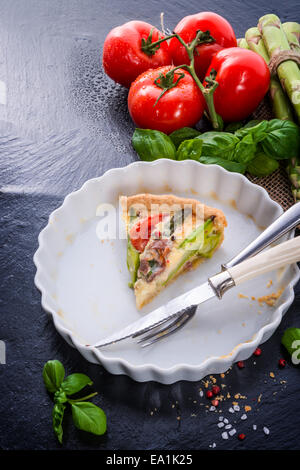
point(288, 72)
point(256, 44)
point(293, 170)
point(282, 108)
point(292, 32)
point(241, 42)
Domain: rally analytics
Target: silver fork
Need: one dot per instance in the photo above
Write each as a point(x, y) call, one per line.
point(283, 224)
point(169, 327)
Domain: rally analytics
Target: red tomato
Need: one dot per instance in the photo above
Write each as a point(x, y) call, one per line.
point(141, 231)
point(123, 58)
point(181, 106)
point(243, 78)
point(187, 28)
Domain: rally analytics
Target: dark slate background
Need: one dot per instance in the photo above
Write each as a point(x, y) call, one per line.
point(65, 122)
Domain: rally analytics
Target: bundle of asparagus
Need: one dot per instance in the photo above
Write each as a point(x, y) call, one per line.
point(268, 39)
point(292, 32)
point(276, 41)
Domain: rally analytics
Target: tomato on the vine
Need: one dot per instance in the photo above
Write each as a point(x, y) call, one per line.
point(152, 106)
point(220, 30)
point(123, 57)
point(243, 77)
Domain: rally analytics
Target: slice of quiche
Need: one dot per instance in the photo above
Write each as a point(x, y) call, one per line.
point(167, 235)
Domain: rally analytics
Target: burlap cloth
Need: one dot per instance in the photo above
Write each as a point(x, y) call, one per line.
point(277, 184)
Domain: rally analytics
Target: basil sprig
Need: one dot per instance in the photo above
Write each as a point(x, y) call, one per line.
point(86, 416)
point(254, 147)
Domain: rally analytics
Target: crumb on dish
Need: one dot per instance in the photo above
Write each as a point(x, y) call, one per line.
point(270, 299)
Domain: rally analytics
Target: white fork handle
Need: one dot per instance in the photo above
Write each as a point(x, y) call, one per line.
point(280, 255)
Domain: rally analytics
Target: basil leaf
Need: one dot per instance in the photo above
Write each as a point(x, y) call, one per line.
point(75, 382)
point(53, 375)
point(151, 145)
point(228, 165)
point(57, 418)
point(89, 417)
point(262, 165)
point(258, 130)
point(253, 123)
point(282, 140)
point(186, 133)
point(218, 144)
point(291, 341)
point(189, 149)
point(245, 149)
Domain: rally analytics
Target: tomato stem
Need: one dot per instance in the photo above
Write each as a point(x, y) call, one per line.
point(201, 37)
point(166, 82)
point(208, 95)
point(149, 47)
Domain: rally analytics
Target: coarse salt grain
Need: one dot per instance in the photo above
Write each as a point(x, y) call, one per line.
point(228, 426)
point(201, 393)
point(254, 427)
point(221, 418)
point(232, 432)
point(226, 421)
point(231, 410)
point(220, 424)
point(236, 408)
point(224, 435)
point(266, 430)
point(212, 408)
point(244, 416)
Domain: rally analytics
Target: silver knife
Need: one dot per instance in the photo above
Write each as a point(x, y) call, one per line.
point(230, 276)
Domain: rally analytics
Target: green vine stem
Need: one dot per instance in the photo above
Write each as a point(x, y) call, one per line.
point(201, 37)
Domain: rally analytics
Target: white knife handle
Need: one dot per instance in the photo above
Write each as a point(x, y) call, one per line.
point(280, 255)
point(286, 222)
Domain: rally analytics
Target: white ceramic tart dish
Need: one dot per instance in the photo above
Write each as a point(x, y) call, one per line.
point(83, 277)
